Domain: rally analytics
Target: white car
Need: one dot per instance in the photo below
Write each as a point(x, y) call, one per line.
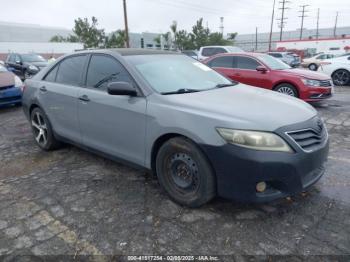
point(208, 51)
point(338, 68)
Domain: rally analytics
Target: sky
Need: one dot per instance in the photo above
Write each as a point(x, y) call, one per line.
point(156, 15)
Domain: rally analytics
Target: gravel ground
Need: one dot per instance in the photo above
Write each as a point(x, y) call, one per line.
point(71, 202)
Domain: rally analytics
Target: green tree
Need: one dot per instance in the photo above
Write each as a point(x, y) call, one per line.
point(217, 39)
point(173, 29)
point(232, 36)
point(58, 39)
point(200, 34)
point(117, 39)
point(89, 34)
point(184, 41)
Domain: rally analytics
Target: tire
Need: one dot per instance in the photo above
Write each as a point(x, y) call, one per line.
point(287, 89)
point(185, 173)
point(42, 130)
point(341, 77)
point(313, 67)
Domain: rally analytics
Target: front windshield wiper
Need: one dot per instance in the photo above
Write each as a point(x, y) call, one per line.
point(225, 85)
point(105, 79)
point(181, 91)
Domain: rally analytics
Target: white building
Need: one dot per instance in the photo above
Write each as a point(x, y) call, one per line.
point(335, 46)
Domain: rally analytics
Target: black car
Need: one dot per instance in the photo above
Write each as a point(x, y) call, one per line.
point(25, 65)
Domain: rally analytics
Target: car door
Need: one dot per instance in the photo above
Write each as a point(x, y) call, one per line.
point(246, 72)
point(112, 124)
point(58, 95)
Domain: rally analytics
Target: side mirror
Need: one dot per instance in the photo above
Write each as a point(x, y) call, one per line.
point(261, 69)
point(121, 89)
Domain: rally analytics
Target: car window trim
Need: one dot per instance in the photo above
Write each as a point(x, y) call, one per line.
point(82, 73)
point(138, 89)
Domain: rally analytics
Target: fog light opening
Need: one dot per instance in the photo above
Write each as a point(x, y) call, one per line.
point(261, 187)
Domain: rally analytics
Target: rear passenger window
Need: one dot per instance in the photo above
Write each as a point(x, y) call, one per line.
point(224, 61)
point(209, 51)
point(247, 63)
point(51, 76)
point(70, 70)
point(105, 69)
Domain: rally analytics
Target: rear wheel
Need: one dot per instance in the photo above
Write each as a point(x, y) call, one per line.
point(341, 77)
point(42, 130)
point(287, 89)
point(185, 173)
point(313, 67)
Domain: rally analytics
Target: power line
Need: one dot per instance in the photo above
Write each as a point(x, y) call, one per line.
point(283, 18)
point(302, 11)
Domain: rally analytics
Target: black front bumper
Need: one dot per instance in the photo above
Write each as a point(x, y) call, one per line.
point(238, 170)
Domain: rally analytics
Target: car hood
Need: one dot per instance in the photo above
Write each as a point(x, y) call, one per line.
point(6, 79)
point(304, 73)
point(243, 107)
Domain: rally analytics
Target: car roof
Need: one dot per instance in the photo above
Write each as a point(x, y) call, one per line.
point(132, 51)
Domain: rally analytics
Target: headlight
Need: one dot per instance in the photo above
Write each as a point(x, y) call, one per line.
point(18, 82)
point(255, 140)
point(33, 67)
point(311, 82)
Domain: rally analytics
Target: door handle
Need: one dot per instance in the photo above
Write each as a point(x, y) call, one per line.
point(84, 98)
point(43, 89)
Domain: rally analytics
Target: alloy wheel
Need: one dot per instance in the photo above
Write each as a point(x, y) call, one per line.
point(39, 129)
point(286, 90)
point(341, 77)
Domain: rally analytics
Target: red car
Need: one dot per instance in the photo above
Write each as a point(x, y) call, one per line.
point(264, 71)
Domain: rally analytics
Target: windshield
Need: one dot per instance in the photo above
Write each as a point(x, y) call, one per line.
point(169, 73)
point(32, 58)
point(273, 63)
point(2, 69)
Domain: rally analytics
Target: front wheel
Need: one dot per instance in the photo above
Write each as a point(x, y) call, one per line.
point(184, 172)
point(42, 130)
point(341, 77)
point(287, 89)
point(313, 67)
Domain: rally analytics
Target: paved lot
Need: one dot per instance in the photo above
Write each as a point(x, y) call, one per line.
point(73, 202)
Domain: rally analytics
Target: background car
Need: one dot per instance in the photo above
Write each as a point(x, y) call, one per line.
point(10, 88)
point(314, 62)
point(191, 53)
point(25, 65)
point(289, 58)
point(338, 68)
point(262, 70)
point(208, 51)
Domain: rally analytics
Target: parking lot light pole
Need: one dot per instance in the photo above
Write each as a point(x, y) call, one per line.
point(126, 25)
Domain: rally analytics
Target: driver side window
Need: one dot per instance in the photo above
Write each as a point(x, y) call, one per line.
point(104, 70)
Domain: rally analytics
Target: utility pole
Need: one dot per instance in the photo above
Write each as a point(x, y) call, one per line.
point(302, 11)
point(126, 25)
point(222, 25)
point(318, 23)
point(283, 18)
point(271, 29)
point(256, 39)
point(335, 26)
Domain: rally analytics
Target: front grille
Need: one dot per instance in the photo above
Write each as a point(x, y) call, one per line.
point(9, 99)
point(311, 138)
point(325, 83)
